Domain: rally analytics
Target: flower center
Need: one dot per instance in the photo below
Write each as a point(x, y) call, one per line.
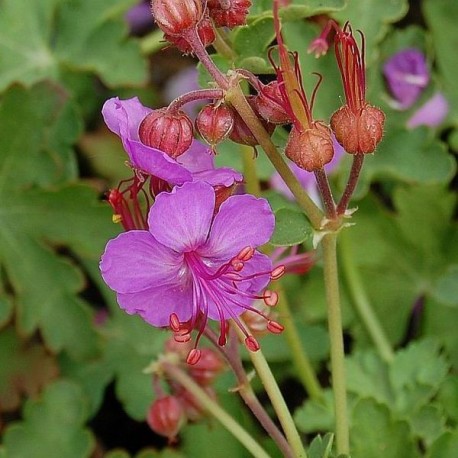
point(225, 292)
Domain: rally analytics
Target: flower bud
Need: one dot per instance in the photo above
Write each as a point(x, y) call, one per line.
point(215, 123)
point(269, 104)
point(241, 132)
point(205, 31)
point(166, 416)
point(207, 368)
point(228, 13)
point(358, 132)
point(312, 148)
point(173, 17)
point(171, 132)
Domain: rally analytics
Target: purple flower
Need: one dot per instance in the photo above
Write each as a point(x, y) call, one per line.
point(307, 179)
point(192, 265)
point(139, 18)
point(123, 117)
point(431, 114)
point(407, 75)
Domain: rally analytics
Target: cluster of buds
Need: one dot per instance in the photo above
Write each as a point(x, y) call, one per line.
point(170, 412)
point(184, 22)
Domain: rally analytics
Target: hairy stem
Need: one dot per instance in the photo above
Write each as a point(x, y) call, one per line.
point(331, 281)
point(326, 194)
point(358, 160)
point(178, 375)
point(200, 94)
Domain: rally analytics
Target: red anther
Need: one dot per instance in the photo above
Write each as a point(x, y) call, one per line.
point(193, 356)
point(237, 265)
point(252, 344)
point(246, 254)
point(270, 298)
point(182, 338)
point(174, 322)
point(277, 272)
point(274, 327)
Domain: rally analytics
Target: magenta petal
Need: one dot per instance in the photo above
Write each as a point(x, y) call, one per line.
point(155, 305)
point(157, 163)
point(181, 219)
point(241, 221)
point(134, 261)
point(431, 114)
point(124, 116)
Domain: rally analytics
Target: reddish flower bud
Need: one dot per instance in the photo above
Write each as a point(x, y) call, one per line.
point(361, 132)
point(270, 105)
point(215, 123)
point(228, 13)
point(205, 31)
point(173, 17)
point(222, 193)
point(171, 132)
point(166, 416)
point(310, 149)
point(241, 133)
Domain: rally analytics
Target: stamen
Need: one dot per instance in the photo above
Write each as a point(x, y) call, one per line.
point(270, 298)
point(274, 327)
point(246, 254)
point(174, 322)
point(193, 356)
point(277, 272)
point(252, 344)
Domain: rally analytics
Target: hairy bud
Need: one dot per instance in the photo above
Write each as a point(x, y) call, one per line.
point(228, 13)
point(269, 103)
point(171, 132)
point(173, 17)
point(215, 123)
point(361, 132)
point(312, 148)
point(205, 31)
point(207, 368)
point(166, 416)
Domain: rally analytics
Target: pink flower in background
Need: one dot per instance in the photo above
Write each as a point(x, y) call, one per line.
point(432, 113)
point(407, 75)
point(191, 265)
point(123, 117)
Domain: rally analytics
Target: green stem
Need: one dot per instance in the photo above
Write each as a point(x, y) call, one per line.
point(331, 280)
point(300, 359)
point(212, 407)
point(236, 98)
point(152, 43)
point(278, 402)
point(361, 302)
point(249, 171)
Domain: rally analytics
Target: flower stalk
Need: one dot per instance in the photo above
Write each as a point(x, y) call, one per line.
point(331, 280)
point(175, 373)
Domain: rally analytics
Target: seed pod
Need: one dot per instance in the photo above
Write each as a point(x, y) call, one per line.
point(205, 31)
point(361, 132)
point(174, 17)
point(312, 148)
point(171, 132)
point(166, 416)
point(270, 105)
point(209, 366)
point(215, 123)
point(228, 13)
